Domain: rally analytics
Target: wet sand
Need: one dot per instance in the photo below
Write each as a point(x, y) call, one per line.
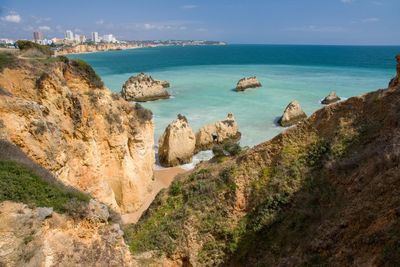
point(163, 179)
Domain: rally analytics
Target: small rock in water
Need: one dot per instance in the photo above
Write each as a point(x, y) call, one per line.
point(245, 83)
point(331, 98)
point(292, 114)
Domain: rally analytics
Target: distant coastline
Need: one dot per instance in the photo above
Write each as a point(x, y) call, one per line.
point(103, 47)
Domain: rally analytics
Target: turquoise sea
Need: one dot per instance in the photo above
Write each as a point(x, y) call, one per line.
point(202, 80)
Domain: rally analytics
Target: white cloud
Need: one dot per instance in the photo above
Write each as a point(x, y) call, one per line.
point(163, 27)
point(44, 28)
point(13, 18)
point(40, 20)
point(370, 20)
point(189, 6)
point(313, 28)
point(100, 22)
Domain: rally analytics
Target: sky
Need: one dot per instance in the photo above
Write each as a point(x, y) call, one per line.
point(357, 22)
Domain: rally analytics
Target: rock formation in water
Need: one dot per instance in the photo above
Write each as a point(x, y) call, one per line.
point(63, 118)
point(396, 80)
point(245, 83)
point(177, 144)
point(325, 192)
point(217, 133)
point(142, 88)
point(331, 98)
point(292, 114)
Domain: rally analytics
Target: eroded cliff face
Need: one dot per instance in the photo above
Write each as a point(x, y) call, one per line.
point(59, 114)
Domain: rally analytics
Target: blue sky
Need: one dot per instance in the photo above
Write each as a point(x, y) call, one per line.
point(235, 21)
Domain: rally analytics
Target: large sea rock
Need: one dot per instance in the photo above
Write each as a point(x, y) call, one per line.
point(177, 144)
point(142, 88)
point(246, 83)
point(217, 133)
point(331, 98)
point(396, 80)
point(292, 114)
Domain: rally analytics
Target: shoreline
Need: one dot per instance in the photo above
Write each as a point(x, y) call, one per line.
point(162, 180)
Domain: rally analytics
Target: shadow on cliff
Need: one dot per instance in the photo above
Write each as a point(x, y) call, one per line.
point(10, 152)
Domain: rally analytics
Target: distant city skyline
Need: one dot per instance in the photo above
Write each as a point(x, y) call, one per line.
point(358, 22)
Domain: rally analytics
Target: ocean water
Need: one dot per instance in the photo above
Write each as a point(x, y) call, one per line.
point(203, 78)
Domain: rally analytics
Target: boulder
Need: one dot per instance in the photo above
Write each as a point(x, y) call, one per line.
point(217, 133)
point(177, 144)
point(142, 88)
point(396, 80)
point(245, 83)
point(292, 114)
point(331, 98)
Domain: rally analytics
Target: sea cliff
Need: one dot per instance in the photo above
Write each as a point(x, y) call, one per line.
point(60, 114)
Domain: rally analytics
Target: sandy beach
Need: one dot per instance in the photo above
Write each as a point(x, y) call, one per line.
point(163, 179)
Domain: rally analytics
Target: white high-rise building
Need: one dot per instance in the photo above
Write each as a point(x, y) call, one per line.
point(69, 35)
point(95, 37)
point(109, 38)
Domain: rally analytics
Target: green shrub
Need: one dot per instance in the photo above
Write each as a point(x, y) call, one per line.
point(20, 184)
point(88, 72)
point(24, 45)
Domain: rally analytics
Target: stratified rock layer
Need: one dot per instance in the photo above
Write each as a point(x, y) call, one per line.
point(177, 144)
point(331, 98)
point(246, 83)
point(143, 88)
point(87, 137)
point(292, 114)
point(217, 133)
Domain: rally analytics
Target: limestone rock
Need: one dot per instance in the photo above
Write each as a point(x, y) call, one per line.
point(144, 88)
point(28, 240)
point(396, 80)
point(97, 212)
point(331, 98)
point(292, 114)
point(245, 83)
point(217, 133)
point(84, 136)
point(177, 144)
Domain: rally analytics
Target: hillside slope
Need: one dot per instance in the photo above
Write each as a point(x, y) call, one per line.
point(323, 193)
point(60, 114)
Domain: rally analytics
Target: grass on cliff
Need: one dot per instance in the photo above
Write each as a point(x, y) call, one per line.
point(20, 184)
point(7, 60)
point(88, 72)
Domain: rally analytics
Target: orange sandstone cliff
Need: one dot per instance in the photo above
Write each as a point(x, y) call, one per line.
point(60, 114)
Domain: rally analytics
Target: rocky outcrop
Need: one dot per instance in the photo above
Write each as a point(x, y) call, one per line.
point(217, 133)
point(142, 88)
point(292, 114)
point(86, 136)
point(396, 80)
point(246, 83)
point(331, 98)
point(177, 144)
point(40, 237)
